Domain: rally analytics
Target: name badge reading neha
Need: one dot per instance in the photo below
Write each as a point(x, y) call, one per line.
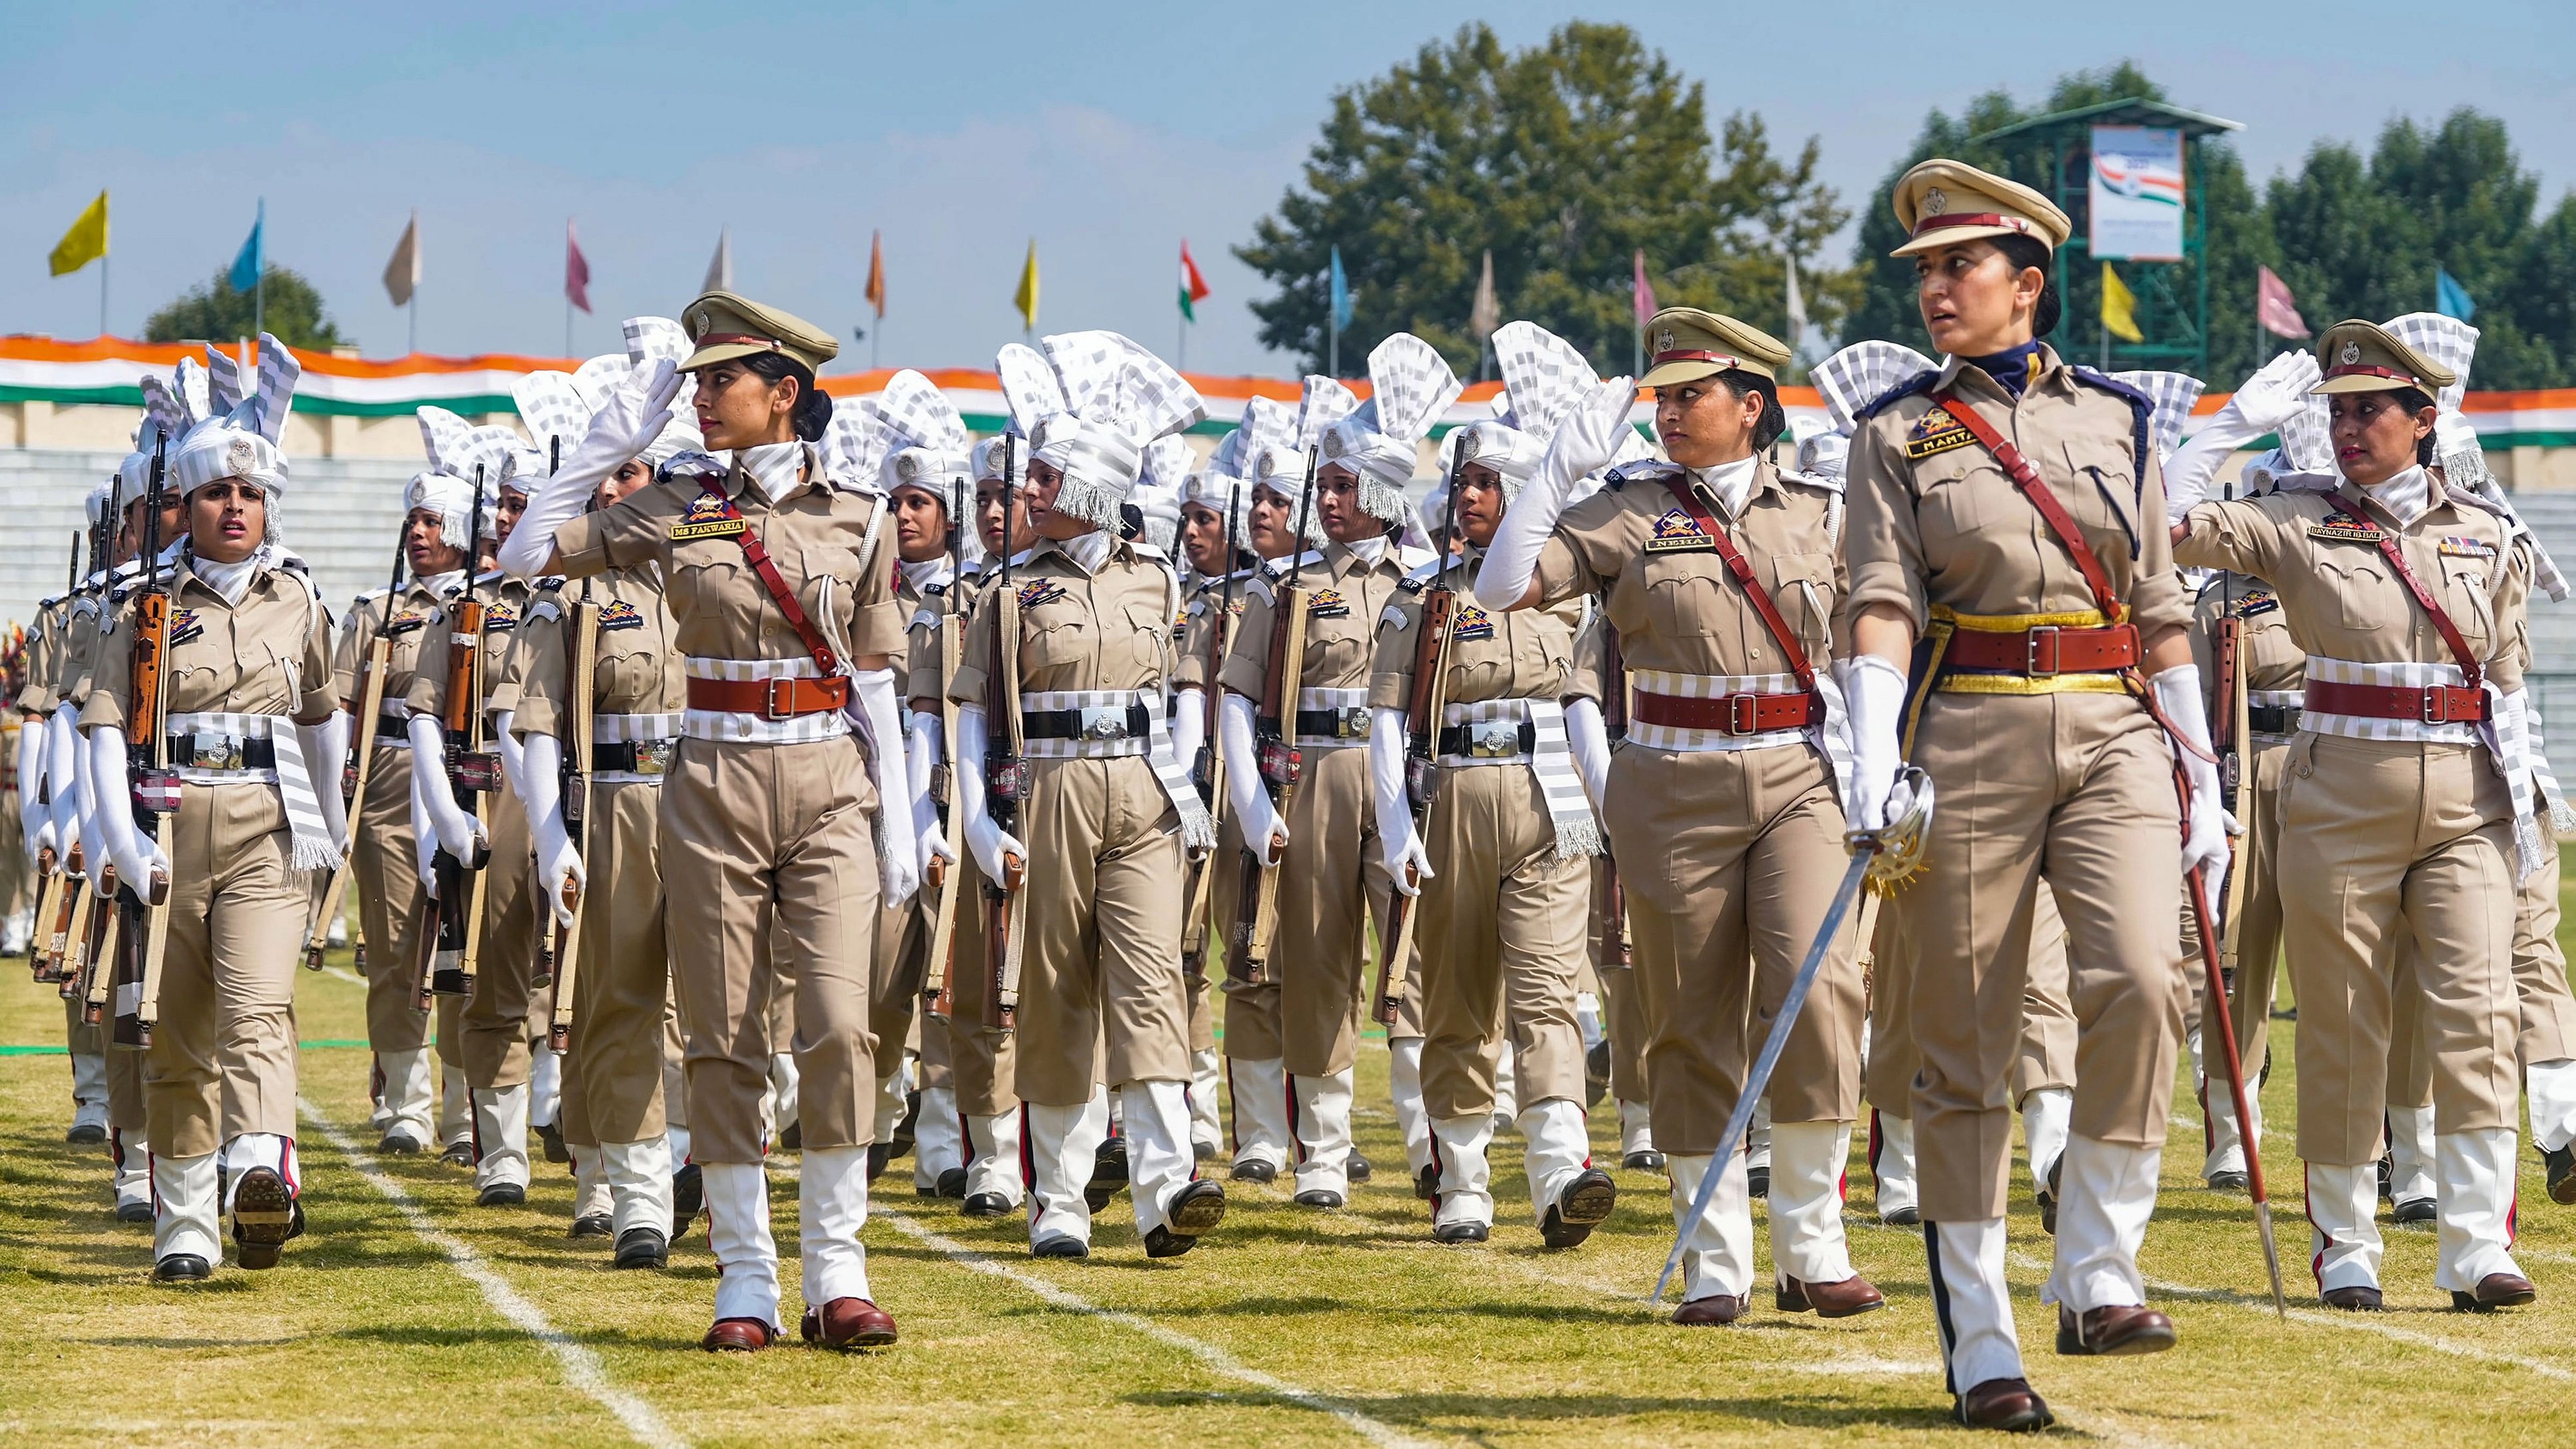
point(1936, 432)
point(2341, 527)
point(2467, 548)
point(619, 614)
point(707, 518)
point(1328, 604)
point(1677, 532)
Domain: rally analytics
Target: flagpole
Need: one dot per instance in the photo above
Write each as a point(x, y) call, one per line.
point(411, 309)
point(102, 294)
point(567, 325)
point(1332, 339)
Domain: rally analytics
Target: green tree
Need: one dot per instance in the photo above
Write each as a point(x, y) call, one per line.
point(292, 312)
point(1564, 160)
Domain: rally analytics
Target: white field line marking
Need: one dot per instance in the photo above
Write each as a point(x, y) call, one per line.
point(2351, 1322)
point(345, 974)
point(581, 1367)
point(1374, 1430)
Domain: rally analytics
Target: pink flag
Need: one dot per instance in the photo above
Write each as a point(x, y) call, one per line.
point(1645, 291)
point(2274, 308)
point(576, 271)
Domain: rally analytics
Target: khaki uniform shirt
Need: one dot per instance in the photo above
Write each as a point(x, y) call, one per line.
point(1080, 631)
point(1345, 595)
point(1935, 520)
point(37, 693)
point(1205, 599)
point(270, 654)
point(414, 607)
point(922, 685)
point(636, 670)
point(505, 604)
point(2273, 660)
point(1522, 654)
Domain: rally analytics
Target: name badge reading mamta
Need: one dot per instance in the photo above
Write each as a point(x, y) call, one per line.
point(1936, 432)
point(706, 518)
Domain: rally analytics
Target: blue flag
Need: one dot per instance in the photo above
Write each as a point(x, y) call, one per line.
point(2450, 298)
point(252, 259)
point(1341, 286)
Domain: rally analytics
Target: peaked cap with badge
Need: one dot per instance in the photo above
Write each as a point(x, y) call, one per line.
point(1941, 201)
point(2359, 356)
point(1684, 344)
point(725, 327)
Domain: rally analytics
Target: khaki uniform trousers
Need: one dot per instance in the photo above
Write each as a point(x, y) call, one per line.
point(1252, 1030)
point(493, 1029)
point(385, 861)
point(2047, 1055)
point(1331, 886)
point(1731, 858)
point(2078, 788)
point(756, 835)
point(1621, 1016)
point(222, 1060)
point(2258, 932)
point(982, 1062)
point(1501, 937)
point(1102, 967)
point(622, 981)
point(2387, 844)
point(2546, 1013)
point(13, 862)
point(901, 946)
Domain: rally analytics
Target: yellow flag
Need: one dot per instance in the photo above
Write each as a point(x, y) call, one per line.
point(1026, 298)
point(2119, 307)
point(86, 242)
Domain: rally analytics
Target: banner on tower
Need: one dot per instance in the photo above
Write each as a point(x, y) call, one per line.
point(2136, 194)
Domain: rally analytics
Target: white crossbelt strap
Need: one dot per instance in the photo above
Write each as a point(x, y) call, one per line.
point(1713, 686)
point(311, 847)
point(727, 726)
point(1550, 761)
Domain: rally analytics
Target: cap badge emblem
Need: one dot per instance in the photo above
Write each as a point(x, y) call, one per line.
point(241, 457)
point(1935, 202)
point(2351, 354)
point(1664, 340)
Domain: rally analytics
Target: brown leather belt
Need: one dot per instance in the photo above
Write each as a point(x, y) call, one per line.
point(1734, 714)
point(2045, 650)
point(769, 698)
point(2440, 704)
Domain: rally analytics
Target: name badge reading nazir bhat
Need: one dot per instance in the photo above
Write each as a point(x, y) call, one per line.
point(708, 517)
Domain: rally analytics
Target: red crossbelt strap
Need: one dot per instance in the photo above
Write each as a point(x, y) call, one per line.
point(758, 556)
point(2471, 667)
point(2060, 522)
point(1743, 571)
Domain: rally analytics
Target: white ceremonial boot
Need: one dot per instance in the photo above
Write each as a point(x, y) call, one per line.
point(1971, 1302)
point(938, 1139)
point(1807, 1201)
point(993, 1170)
point(1323, 1138)
point(1637, 1138)
point(187, 1219)
point(1717, 1262)
point(1207, 1134)
point(738, 1234)
point(784, 1081)
point(13, 937)
point(2106, 1193)
point(1507, 1103)
point(1257, 1090)
point(1557, 1150)
point(1172, 1207)
point(1404, 1090)
point(2551, 1090)
point(832, 1206)
point(1062, 1146)
point(406, 1100)
point(591, 1196)
point(2344, 1247)
point(133, 1177)
point(2226, 1149)
point(1891, 1167)
point(636, 1182)
point(2412, 1185)
point(1757, 1150)
point(2047, 1117)
point(455, 1108)
point(545, 1088)
point(501, 1145)
point(894, 1099)
point(2475, 1171)
point(264, 1222)
point(1463, 1212)
point(89, 1093)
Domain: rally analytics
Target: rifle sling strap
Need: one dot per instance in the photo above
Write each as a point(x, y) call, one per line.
point(2059, 521)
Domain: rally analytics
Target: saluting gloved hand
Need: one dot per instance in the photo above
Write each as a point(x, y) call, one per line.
point(2205, 831)
point(2270, 398)
point(627, 423)
point(1399, 844)
point(1586, 440)
point(1874, 699)
point(988, 841)
point(2277, 392)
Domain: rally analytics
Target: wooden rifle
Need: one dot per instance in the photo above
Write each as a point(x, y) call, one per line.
point(1208, 770)
point(1006, 784)
point(936, 991)
point(1619, 947)
point(42, 954)
point(2228, 727)
point(70, 910)
point(144, 905)
point(1423, 710)
point(359, 767)
point(451, 926)
point(1274, 739)
point(578, 759)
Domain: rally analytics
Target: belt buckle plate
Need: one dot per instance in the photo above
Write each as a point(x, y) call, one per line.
point(1101, 723)
point(1351, 721)
point(653, 757)
point(2041, 640)
point(778, 699)
point(2437, 706)
point(1493, 740)
point(1742, 714)
point(210, 750)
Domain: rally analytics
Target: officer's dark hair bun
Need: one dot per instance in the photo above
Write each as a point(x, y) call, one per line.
point(1774, 420)
point(813, 405)
point(2025, 251)
point(2412, 400)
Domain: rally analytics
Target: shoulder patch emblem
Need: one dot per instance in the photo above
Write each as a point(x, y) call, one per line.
point(1327, 604)
point(619, 614)
point(1042, 592)
point(185, 625)
point(1471, 622)
point(1936, 432)
point(709, 516)
point(1677, 532)
point(2260, 601)
point(406, 621)
point(2342, 527)
point(500, 616)
point(2467, 548)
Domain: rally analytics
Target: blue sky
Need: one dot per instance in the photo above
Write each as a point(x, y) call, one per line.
point(1109, 133)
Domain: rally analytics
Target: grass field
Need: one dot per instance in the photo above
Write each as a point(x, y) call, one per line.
point(433, 1321)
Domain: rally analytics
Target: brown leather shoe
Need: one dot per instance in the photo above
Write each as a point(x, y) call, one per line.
point(2494, 1291)
point(2006, 1404)
point(1849, 1298)
point(2355, 1299)
point(1714, 1311)
point(848, 1323)
point(2114, 1328)
point(736, 1335)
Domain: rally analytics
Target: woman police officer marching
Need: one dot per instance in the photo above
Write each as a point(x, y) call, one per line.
point(772, 813)
point(253, 725)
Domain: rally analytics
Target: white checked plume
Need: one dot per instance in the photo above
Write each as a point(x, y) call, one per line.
point(2173, 393)
point(1861, 374)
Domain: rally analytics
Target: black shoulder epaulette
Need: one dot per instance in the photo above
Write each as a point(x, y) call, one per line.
point(1634, 471)
point(2142, 412)
point(1920, 382)
point(551, 583)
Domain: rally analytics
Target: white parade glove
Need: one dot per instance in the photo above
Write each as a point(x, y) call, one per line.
point(626, 424)
point(921, 761)
point(2270, 398)
point(136, 859)
point(1874, 699)
point(1399, 844)
point(898, 842)
point(1590, 739)
point(35, 826)
point(514, 764)
point(986, 839)
point(424, 839)
point(558, 859)
point(1189, 726)
point(1246, 794)
point(458, 833)
point(2204, 837)
point(326, 749)
point(64, 764)
point(1584, 441)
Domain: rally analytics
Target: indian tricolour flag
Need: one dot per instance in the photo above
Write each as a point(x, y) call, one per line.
point(1194, 288)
